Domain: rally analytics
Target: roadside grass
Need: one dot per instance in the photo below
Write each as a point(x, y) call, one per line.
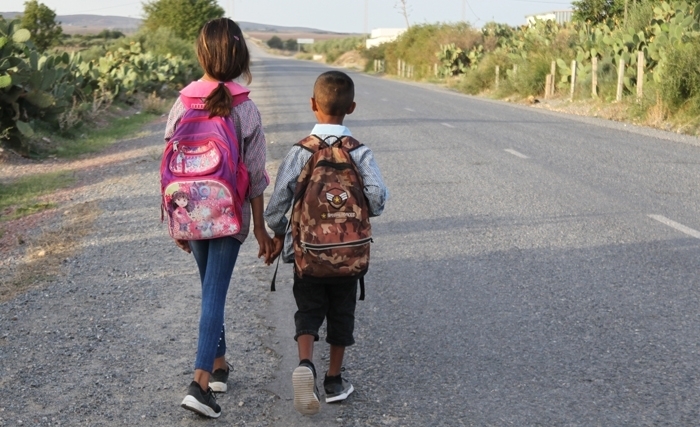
point(92, 131)
point(94, 140)
point(22, 197)
point(46, 256)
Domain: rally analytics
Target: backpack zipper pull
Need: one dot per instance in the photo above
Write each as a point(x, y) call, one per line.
point(176, 145)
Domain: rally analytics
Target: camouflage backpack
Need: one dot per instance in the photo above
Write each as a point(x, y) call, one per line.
point(330, 218)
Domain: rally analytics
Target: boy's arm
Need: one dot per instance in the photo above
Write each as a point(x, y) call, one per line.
point(283, 194)
point(375, 190)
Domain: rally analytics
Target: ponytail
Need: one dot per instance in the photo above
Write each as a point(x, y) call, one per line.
point(219, 101)
point(223, 55)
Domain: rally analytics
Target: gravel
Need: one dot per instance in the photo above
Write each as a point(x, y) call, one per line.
point(112, 341)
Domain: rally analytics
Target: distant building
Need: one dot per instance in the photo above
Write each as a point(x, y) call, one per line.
point(558, 16)
point(383, 35)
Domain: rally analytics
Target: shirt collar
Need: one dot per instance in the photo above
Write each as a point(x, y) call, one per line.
point(337, 130)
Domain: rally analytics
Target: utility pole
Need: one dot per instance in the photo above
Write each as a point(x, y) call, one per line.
point(366, 16)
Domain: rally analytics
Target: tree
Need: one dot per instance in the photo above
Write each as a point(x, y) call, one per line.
point(41, 23)
point(404, 9)
point(291, 44)
point(184, 17)
point(596, 11)
point(275, 43)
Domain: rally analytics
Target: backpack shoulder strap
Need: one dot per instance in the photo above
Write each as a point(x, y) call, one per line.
point(198, 103)
point(349, 143)
point(194, 94)
point(311, 143)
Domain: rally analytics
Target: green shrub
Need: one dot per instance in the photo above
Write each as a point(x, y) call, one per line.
point(332, 49)
point(419, 45)
point(680, 77)
point(483, 76)
point(531, 75)
point(291, 45)
point(164, 42)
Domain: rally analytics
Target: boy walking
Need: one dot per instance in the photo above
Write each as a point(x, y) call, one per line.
point(328, 240)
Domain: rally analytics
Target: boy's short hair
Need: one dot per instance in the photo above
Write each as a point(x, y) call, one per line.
point(334, 92)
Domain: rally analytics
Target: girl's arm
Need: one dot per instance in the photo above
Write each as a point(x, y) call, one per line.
point(254, 157)
point(176, 113)
point(254, 149)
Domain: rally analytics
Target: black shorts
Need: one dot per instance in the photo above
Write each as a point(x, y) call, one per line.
point(334, 302)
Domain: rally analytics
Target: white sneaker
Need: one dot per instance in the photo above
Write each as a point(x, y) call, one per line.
point(306, 400)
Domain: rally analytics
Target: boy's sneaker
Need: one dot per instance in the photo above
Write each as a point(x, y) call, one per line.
point(218, 380)
point(337, 388)
point(306, 394)
point(200, 402)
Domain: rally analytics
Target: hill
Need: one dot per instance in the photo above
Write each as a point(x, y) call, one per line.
point(95, 23)
point(86, 24)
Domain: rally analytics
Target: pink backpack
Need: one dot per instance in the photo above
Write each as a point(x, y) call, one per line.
point(204, 181)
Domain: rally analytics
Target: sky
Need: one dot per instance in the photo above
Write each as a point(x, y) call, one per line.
point(345, 16)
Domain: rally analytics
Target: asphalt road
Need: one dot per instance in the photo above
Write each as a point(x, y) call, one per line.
point(530, 269)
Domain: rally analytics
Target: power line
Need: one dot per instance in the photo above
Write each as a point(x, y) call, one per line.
point(108, 7)
point(541, 1)
point(470, 8)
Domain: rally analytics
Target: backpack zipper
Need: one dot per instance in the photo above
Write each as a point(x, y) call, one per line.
point(305, 247)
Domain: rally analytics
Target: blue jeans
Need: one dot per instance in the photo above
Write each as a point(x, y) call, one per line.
point(215, 259)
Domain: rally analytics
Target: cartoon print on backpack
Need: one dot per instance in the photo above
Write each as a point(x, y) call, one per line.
point(198, 210)
point(181, 206)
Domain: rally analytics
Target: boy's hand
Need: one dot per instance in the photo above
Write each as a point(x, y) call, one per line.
point(184, 245)
point(265, 243)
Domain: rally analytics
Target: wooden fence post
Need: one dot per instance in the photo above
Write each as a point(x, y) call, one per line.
point(594, 76)
point(515, 70)
point(620, 78)
point(553, 83)
point(640, 75)
point(548, 87)
point(498, 76)
point(573, 78)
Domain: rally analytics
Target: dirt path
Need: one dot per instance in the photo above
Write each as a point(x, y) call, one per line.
point(112, 340)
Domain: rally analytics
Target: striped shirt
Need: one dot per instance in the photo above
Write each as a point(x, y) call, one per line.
point(248, 125)
point(290, 169)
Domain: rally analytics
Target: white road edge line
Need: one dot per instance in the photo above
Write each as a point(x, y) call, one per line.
point(516, 153)
point(673, 224)
point(447, 125)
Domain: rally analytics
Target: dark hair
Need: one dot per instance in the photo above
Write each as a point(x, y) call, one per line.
point(181, 195)
point(224, 56)
point(334, 92)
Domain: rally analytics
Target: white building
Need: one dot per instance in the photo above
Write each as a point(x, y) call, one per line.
point(558, 16)
point(383, 35)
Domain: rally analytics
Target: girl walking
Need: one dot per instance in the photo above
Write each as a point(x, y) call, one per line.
point(224, 57)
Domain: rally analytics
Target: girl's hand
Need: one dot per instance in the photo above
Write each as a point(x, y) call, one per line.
point(184, 245)
point(278, 245)
point(265, 243)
